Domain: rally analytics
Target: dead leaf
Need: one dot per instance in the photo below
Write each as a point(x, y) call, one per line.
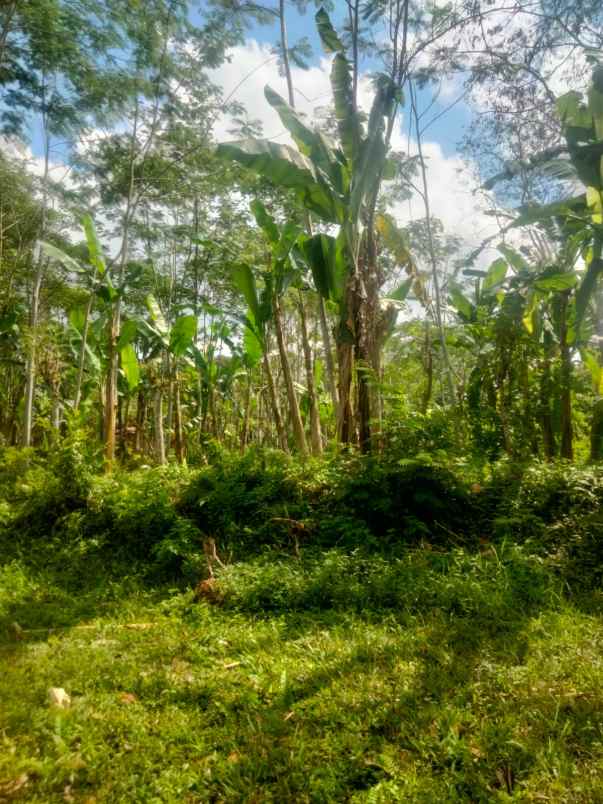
point(231, 665)
point(16, 632)
point(128, 698)
point(58, 697)
point(13, 787)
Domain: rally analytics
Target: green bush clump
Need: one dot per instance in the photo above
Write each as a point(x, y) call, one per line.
point(496, 587)
point(408, 432)
point(134, 516)
point(244, 501)
point(159, 518)
point(408, 502)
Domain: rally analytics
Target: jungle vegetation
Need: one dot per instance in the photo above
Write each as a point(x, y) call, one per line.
point(300, 486)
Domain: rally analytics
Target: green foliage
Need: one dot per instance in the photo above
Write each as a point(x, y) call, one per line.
point(435, 676)
point(488, 586)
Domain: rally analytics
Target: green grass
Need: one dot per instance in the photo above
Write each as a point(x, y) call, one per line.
point(434, 677)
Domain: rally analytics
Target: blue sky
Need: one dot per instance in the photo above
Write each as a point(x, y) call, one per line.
point(448, 175)
point(447, 130)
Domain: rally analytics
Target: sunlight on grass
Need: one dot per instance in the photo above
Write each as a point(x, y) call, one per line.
point(200, 703)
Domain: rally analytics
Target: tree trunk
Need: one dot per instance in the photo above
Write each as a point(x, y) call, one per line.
point(111, 389)
point(276, 411)
point(567, 450)
point(546, 396)
point(246, 416)
point(115, 323)
point(56, 414)
point(428, 365)
point(30, 370)
point(433, 258)
point(178, 433)
point(315, 434)
point(326, 339)
point(361, 314)
point(158, 424)
point(285, 53)
point(296, 420)
point(9, 12)
point(345, 417)
point(82, 356)
point(141, 410)
point(596, 433)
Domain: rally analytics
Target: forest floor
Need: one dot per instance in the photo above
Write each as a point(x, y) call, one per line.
point(435, 677)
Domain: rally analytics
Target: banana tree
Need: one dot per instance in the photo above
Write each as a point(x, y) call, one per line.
point(106, 294)
point(168, 346)
point(543, 299)
point(578, 221)
point(284, 272)
point(268, 307)
point(255, 337)
point(337, 183)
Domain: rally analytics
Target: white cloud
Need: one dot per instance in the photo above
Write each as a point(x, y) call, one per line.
point(450, 181)
point(251, 67)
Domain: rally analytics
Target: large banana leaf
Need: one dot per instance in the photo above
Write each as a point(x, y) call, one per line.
point(129, 331)
point(129, 365)
point(394, 239)
point(57, 254)
point(156, 314)
point(496, 274)
point(252, 346)
point(265, 221)
point(245, 282)
point(182, 334)
point(326, 257)
point(328, 35)
point(461, 303)
point(585, 292)
point(310, 142)
point(368, 170)
point(348, 120)
point(284, 167)
point(94, 247)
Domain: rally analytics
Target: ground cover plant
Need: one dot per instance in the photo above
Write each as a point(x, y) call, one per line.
point(353, 668)
point(301, 401)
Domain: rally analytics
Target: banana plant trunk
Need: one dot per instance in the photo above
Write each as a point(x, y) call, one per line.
point(546, 396)
point(567, 450)
point(315, 433)
point(141, 410)
point(178, 431)
point(328, 352)
point(111, 388)
point(596, 432)
point(296, 420)
point(363, 324)
point(246, 415)
point(158, 423)
point(82, 355)
point(276, 411)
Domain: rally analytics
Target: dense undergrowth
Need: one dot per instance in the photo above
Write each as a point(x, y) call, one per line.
point(400, 630)
point(57, 507)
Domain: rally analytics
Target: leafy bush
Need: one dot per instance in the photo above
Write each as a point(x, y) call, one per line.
point(496, 587)
point(408, 502)
point(239, 499)
point(407, 432)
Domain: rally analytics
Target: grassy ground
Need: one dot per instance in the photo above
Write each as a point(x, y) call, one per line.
point(434, 677)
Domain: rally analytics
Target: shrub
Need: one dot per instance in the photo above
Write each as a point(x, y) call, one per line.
point(408, 502)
